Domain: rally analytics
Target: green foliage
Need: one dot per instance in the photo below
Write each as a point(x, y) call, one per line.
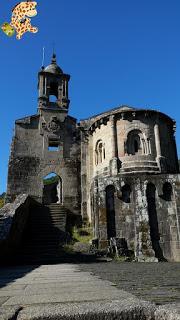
point(68, 248)
point(83, 235)
point(51, 180)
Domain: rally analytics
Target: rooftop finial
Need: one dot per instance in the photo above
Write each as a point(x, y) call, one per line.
point(43, 55)
point(53, 60)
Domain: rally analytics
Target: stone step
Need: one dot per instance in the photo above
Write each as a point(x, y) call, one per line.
point(48, 224)
point(53, 212)
point(140, 168)
point(49, 221)
point(44, 219)
point(46, 230)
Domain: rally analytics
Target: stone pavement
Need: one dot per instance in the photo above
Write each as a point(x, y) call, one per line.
point(51, 284)
point(155, 282)
point(63, 291)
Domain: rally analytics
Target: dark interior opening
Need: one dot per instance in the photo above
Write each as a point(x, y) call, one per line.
point(126, 193)
point(52, 190)
point(153, 221)
point(111, 223)
point(136, 146)
point(53, 90)
point(167, 191)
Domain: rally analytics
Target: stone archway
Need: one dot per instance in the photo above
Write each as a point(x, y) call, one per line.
point(52, 189)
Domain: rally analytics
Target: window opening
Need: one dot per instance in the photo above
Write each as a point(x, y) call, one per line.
point(53, 145)
point(99, 152)
point(52, 98)
point(134, 143)
point(126, 193)
point(167, 191)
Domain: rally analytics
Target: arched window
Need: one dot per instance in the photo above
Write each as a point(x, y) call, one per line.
point(134, 142)
point(99, 152)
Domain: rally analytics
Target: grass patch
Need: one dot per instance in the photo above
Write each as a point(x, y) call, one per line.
point(83, 235)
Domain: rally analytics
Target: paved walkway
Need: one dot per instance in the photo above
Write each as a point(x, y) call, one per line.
point(52, 292)
point(53, 283)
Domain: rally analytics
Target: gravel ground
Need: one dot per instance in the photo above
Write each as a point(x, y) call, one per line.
point(156, 282)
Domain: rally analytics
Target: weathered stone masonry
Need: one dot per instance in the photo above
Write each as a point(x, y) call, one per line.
point(132, 181)
point(119, 169)
point(31, 159)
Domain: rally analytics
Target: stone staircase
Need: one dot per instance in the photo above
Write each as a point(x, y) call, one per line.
point(45, 231)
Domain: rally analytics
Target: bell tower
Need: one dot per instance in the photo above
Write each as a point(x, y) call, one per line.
point(53, 87)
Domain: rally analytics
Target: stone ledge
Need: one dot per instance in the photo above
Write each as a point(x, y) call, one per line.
point(132, 308)
point(9, 313)
point(168, 312)
point(129, 309)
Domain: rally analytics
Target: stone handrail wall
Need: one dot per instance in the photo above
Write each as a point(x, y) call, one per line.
point(13, 218)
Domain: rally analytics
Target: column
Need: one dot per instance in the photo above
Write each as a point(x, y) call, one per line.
point(149, 145)
point(41, 84)
point(143, 146)
point(114, 160)
point(157, 140)
point(45, 86)
point(113, 136)
point(102, 220)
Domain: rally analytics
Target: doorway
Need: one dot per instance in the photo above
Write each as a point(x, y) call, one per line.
point(52, 189)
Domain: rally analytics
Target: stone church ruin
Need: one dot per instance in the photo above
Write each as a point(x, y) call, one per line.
point(117, 170)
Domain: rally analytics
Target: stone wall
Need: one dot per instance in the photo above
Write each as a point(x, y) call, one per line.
point(148, 222)
point(13, 218)
point(31, 158)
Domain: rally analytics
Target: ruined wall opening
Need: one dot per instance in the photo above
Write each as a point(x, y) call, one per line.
point(110, 209)
point(167, 191)
point(153, 221)
point(126, 193)
point(52, 189)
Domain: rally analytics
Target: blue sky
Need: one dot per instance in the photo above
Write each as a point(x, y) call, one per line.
point(117, 52)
